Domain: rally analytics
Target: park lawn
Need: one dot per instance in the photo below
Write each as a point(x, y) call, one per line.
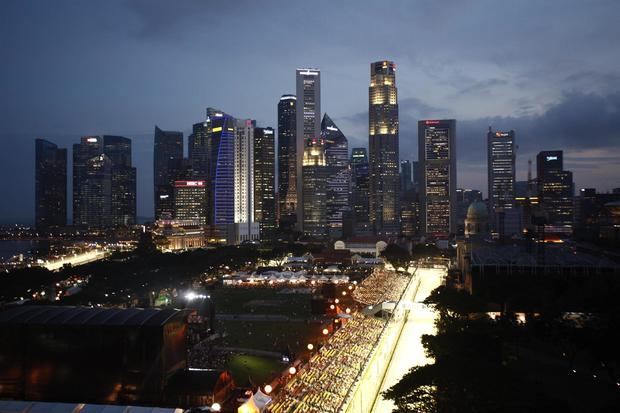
point(269, 335)
point(249, 370)
point(233, 300)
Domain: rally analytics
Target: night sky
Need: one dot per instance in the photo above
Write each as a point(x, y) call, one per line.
point(547, 69)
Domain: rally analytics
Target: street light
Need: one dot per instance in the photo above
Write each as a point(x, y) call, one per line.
point(331, 307)
point(292, 370)
point(268, 389)
point(325, 331)
point(344, 293)
point(336, 301)
point(348, 311)
point(310, 347)
point(216, 407)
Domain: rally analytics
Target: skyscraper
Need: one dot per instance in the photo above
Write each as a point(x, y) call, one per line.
point(244, 170)
point(556, 191)
point(383, 147)
point(221, 178)
point(190, 201)
point(338, 175)
point(96, 193)
point(265, 180)
point(88, 148)
point(314, 189)
point(308, 125)
point(501, 182)
point(360, 188)
point(198, 149)
point(50, 185)
point(123, 175)
point(437, 161)
point(167, 159)
point(287, 157)
point(406, 181)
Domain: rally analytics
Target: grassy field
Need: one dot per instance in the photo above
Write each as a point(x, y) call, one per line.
point(269, 336)
point(253, 369)
point(248, 301)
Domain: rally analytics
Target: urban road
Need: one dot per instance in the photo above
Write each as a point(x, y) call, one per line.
point(409, 351)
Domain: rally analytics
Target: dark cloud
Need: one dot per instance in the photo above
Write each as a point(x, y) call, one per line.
point(483, 86)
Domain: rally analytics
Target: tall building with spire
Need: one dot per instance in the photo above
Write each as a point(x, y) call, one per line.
point(338, 176)
point(383, 148)
point(437, 177)
point(287, 159)
point(308, 126)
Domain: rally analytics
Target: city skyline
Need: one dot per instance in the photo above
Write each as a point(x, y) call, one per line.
point(578, 98)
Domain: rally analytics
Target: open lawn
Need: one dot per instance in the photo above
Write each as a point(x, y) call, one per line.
point(247, 370)
point(269, 336)
point(260, 301)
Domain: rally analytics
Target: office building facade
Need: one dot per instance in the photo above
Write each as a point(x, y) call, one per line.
point(360, 189)
point(383, 149)
point(437, 178)
point(190, 201)
point(88, 148)
point(287, 157)
point(501, 157)
point(338, 176)
point(50, 185)
point(167, 160)
point(123, 192)
point(556, 192)
point(308, 127)
point(314, 188)
point(265, 180)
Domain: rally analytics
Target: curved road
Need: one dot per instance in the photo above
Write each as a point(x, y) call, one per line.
point(409, 351)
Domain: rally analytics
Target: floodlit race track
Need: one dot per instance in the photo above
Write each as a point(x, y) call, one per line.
point(409, 351)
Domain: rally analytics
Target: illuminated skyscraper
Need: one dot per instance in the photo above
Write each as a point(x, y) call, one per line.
point(88, 148)
point(383, 147)
point(264, 180)
point(198, 149)
point(96, 193)
point(167, 159)
point(308, 126)
point(287, 156)
point(221, 177)
point(501, 182)
point(556, 191)
point(123, 204)
point(360, 188)
point(190, 201)
point(50, 185)
point(314, 189)
point(339, 175)
point(437, 161)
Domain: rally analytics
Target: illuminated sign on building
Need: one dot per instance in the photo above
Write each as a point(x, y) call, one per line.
point(91, 140)
point(432, 122)
point(552, 158)
point(180, 184)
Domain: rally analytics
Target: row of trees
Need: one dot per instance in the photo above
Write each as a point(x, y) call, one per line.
point(482, 365)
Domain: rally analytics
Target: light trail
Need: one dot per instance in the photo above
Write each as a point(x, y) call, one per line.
point(409, 351)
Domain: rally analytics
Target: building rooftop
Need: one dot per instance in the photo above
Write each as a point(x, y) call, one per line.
point(56, 315)
point(554, 256)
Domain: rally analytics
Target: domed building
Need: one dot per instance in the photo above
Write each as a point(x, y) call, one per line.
point(477, 220)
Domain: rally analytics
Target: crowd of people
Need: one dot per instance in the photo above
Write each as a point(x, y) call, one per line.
point(204, 356)
point(379, 287)
point(322, 385)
